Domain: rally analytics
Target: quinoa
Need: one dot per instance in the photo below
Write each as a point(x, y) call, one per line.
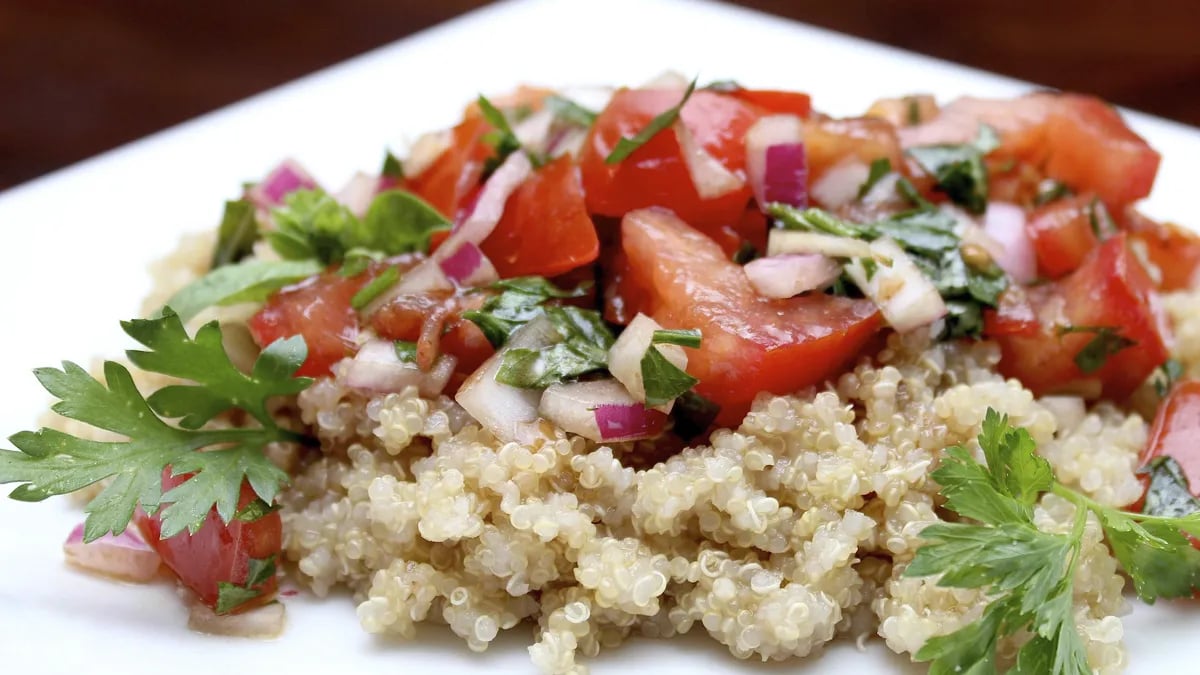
point(789, 532)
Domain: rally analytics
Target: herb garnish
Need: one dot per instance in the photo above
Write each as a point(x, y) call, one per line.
point(51, 462)
point(237, 233)
point(231, 596)
point(626, 146)
point(584, 345)
point(1168, 493)
point(248, 281)
point(1029, 574)
point(684, 337)
point(664, 381)
point(1167, 375)
point(1107, 341)
point(501, 138)
point(375, 287)
point(519, 302)
point(569, 111)
point(879, 168)
point(406, 351)
point(392, 167)
point(959, 168)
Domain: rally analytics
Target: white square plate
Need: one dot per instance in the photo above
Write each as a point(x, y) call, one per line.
point(76, 244)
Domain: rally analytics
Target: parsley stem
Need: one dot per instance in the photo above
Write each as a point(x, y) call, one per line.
point(1077, 531)
point(1085, 502)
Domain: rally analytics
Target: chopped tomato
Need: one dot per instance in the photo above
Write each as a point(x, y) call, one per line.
point(453, 178)
point(1176, 432)
point(750, 344)
point(776, 102)
point(1062, 234)
point(1110, 290)
point(318, 309)
point(1077, 139)
point(1013, 315)
point(828, 142)
point(218, 551)
point(1173, 249)
point(403, 317)
point(656, 174)
point(545, 229)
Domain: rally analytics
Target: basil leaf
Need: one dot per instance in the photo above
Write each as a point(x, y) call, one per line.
point(1107, 341)
point(689, 337)
point(1168, 494)
point(959, 169)
point(406, 351)
point(569, 111)
point(236, 235)
point(626, 146)
point(311, 224)
point(250, 281)
point(399, 222)
point(664, 380)
point(375, 287)
point(879, 168)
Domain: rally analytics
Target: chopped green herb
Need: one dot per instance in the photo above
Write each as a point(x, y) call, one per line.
point(248, 281)
point(1100, 220)
point(693, 414)
point(50, 462)
point(626, 146)
point(745, 253)
point(879, 168)
point(254, 510)
point(231, 596)
point(689, 337)
point(237, 233)
point(907, 190)
point(959, 169)
point(1166, 377)
point(357, 260)
point(1168, 494)
point(870, 267)
point(1028, 574)
point(502, 138)
point(583, 349)
point(519, 303)
point(1107, 341)
point(375, 287)
point(392, 167)
point(569, 111)
point(1050, 190)
point(406, 351)
point(664, 380)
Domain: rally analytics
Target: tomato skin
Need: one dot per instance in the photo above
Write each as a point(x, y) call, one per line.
point(776, 102)
point(1173, 249)
point(1176, 431)
point(1110, 288)
point(545, 229)
point(217, 552)
point(750, 344)
point(317, 309)
point(827, 142)
point(454, 177)
point(1062, 234)
point(655, 174)
point(1013, 315)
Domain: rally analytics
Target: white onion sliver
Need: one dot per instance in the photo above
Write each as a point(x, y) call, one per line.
point(426, 150)
point(839, 185)
point(767, 131)
point(434, 382)
point(600, 410)
point(358, 193)
point(1005, 224)
point(795, 241)
point(710, 177)
point(261, 623)
point(501, 408)
point(905, 296)
point(490, 205)
point(534, 131)
point(423, 278)
point(569, 142)
point(791, 274)
point(377, 368)
point(625, 356)
point(124, 556)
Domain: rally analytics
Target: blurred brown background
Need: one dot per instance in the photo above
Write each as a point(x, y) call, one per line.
point(81, 76)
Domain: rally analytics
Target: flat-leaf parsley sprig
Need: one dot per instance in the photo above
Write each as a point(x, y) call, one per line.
point(50, 462)
point(1029, 574)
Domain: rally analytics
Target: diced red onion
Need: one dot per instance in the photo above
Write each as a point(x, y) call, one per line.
point(468, 266)
point(426, 150)
point(1005, 224)
point(625, 356)
point(490, 205)
point(261, 623)
point(786, 180)
point(125, 556)
point(600, 410)
point(839, 185)
point(358, 193)
point(795, 241)
point(710, 177)
point(905, 296)
point(500, 408)
point(288, 177)
point(768, 132)
point(789, 275)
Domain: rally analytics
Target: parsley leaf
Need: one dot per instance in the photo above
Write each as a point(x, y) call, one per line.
point(1107, 341)
point(406, 351)
point(249, 281)
point(375, 287)
point(959, 168)
point(664, 381)
point(1028, 574)
point(237, 233)
point(626, 146)
point(519, 302)
point(230, 596)
point(583, 349)
point(569, 111)
point(51, 462)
